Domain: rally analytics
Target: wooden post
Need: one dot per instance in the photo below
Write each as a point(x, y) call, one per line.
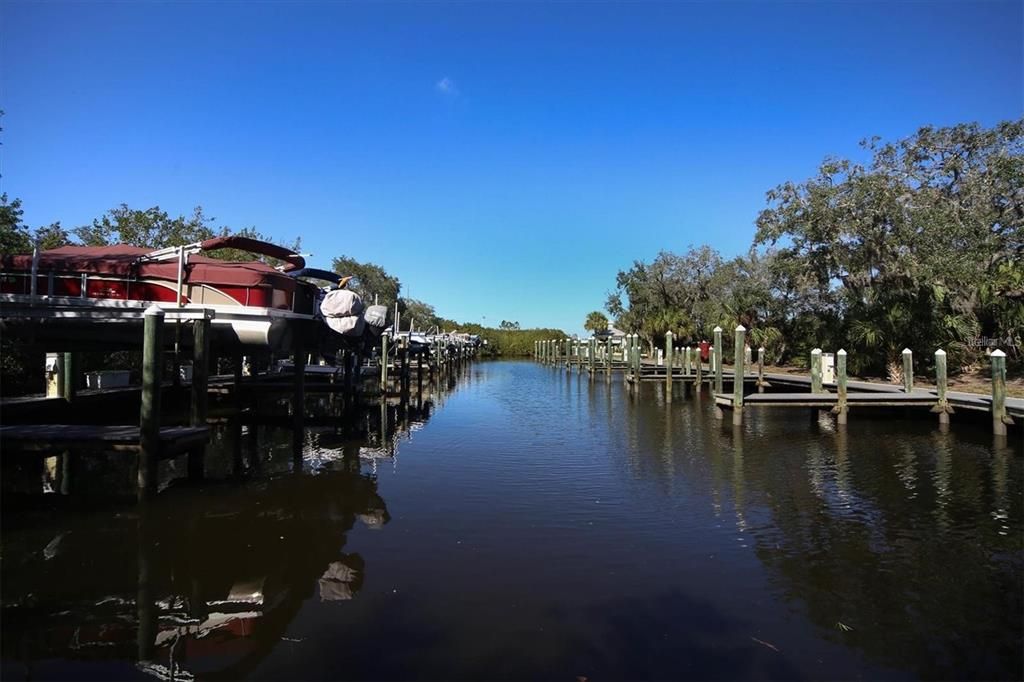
point(200, 370)
point(841, 409)
point(737, 376)
point(669, 340)
point(383, 364)
point(637, 353)
point(200, 375)
point(942, 404)
point(718, 360)
point(70, 385)
point(816, 386)
point(999, 417)
point(608, 357)
point(592, 355)
point(698, 383)
point(908, 370)
point(149, 412)
point(760, 369)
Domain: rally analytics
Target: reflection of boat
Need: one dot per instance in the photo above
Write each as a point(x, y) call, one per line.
point(254, 304)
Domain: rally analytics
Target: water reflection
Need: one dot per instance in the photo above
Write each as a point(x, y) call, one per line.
point(558, 528)
point(204, 581)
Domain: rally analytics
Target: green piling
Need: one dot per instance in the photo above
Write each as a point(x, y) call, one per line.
point(816, 386)
point(669, 352)
point(718, 360)
point(737, 377)
point(149, 411)
point(698, 382)
point(841, 409)
point(908, 370)
point(70, 387)
point(760, 369)
point(999, 417)
point(941, 385)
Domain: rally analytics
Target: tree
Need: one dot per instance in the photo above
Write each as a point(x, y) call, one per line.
point(596, 322)
point(155, 228)
point(508, 325)
point(151, 227)
point(922, 247)
point(370, 281)
point(14, 236)
point(418, 312)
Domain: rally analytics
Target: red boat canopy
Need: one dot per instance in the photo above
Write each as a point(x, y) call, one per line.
point(122, 261)
point(294, 260)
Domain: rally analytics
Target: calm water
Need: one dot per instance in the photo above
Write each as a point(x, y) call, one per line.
point(530, 525)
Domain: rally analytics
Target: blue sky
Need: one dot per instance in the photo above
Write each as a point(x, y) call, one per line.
point(505, 160)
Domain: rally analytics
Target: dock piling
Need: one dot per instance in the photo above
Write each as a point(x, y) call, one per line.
point(718, 360)
point(70, 387)
point(816, 386)
point(669, 340)
point(199, 402)
point(942, 404)
point(760, 369)
point(737, 381)
point(908, 370)
point(149, 411)
point(841, 410)
point(999, 417)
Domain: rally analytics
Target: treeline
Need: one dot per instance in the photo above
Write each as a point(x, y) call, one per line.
point(922, 247)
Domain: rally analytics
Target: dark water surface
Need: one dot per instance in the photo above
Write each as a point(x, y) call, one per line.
point(530, 525)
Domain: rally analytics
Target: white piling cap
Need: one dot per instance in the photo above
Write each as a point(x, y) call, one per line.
point(840, 352)
point(998, 353)
point(907, 351)
point(717, 329)
point(940, 352)
point(816, 351)
point(740, 328)
point(154, 310)
point(760, 348)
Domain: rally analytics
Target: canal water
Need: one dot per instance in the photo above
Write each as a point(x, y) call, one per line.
point(526, 524)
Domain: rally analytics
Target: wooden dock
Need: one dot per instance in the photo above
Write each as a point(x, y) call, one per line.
point(686, 366)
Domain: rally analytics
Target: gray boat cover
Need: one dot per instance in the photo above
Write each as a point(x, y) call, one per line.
point(376, 316)
point(350, 325)
point(341, 303)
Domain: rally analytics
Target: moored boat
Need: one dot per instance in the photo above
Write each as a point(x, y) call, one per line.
point(253, 304)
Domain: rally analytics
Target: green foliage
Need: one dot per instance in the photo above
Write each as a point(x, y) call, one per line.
point(596, 322)
point(508, 343)
point(16, 237)
point(923, 247)
point(508, 325)
point(419, 313)
point(369, 281)
point(155, 228)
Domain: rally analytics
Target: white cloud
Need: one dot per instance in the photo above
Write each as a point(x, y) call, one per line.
point(446, 86)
